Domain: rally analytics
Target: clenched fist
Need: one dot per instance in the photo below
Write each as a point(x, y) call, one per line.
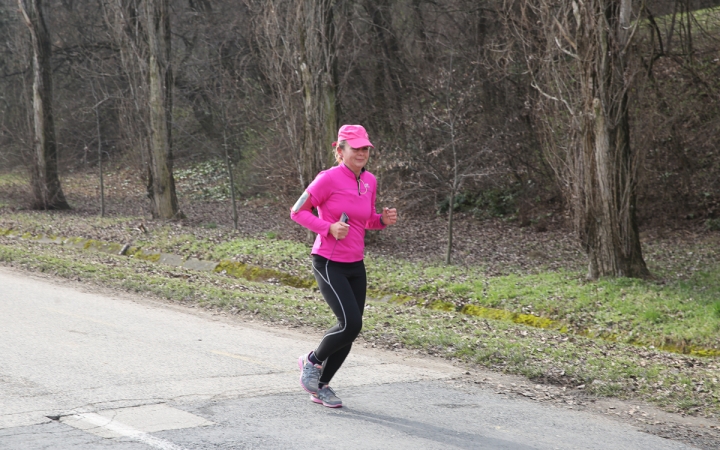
point(389, 216)
point(339, 230)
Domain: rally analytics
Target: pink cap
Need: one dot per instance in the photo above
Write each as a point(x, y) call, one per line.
point(355, 136)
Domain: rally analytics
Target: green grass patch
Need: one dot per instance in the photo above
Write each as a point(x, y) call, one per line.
point(268, 249)
point(708, 19)
point(674, 381)
point(679, 314)
point(11, 179)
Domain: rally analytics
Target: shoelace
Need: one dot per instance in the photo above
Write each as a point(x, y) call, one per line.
point(313, 372)
point(328, 392)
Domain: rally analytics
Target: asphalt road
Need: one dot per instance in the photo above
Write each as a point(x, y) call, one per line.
point(86, 370)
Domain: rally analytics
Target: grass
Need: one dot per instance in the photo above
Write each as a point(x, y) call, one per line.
point(10, 179)
point(679, 313)
point(705, 26)
point(11, 184)
point(567, 315)
point(674, 381)
point(708, 18)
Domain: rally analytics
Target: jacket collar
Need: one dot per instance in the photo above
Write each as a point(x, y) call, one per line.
point(349, 172)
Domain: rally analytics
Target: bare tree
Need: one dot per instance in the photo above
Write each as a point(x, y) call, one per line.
point(284, 73)
point(608, 165)
point(157, 14)
point(276, 50)
point(456, 157)
point(318, 68)
point(297, 42)
point(101, 179)
point(47, 191)
point(15, 116)
point(579, 56)
point(448, 131)
point(124, 19)
point(142, 30)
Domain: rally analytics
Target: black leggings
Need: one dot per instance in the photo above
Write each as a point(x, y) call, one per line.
point(343, 285)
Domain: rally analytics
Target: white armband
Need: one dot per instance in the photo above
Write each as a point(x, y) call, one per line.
point(300, 202)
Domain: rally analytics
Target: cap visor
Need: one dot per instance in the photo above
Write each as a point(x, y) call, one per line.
point(359, 143)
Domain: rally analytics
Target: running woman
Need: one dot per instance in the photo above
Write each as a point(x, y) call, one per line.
point(344, 196)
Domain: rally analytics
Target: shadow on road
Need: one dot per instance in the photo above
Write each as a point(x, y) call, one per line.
point(431, 432)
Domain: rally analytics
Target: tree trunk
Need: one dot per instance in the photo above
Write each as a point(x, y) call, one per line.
point(388, 86)
point(607, 170)
point(319, 78)
point(448, 255)
point(161, 183)
point(455, 187)
point(228, 163)
point(99, 146)
point(47, 191)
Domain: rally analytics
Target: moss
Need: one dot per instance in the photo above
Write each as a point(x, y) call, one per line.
point(296, 282)
point(500, 314)
point(704, 352)
point(376, 294)
point(90, 243)
point(101, 246)
point(400, 299)
point(535, 321)
point(681, 348)
point(113, 247)
point(138, 253)
point(154, 257)
point(685, 349)
point(441, 306)
point(254, 273)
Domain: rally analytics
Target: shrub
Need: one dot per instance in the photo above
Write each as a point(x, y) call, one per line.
point(712, 224)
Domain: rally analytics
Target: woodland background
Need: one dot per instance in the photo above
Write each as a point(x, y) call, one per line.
point(457, 96)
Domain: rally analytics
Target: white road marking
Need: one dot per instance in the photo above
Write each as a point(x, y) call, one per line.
point(126, 431)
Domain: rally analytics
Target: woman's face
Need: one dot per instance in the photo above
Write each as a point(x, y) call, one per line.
point(355, 158)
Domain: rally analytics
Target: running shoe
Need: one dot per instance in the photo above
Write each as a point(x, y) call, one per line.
point(309, 374)
point(326, 396)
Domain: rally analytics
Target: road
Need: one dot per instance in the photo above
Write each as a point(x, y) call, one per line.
point(85, 370)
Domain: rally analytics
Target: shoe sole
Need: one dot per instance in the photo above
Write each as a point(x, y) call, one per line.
point(320, 402)
point(300, 365)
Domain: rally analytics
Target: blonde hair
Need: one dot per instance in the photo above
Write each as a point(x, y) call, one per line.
point(336, 145)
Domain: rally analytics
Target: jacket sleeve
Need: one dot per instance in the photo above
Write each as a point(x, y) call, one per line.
point(304, 216)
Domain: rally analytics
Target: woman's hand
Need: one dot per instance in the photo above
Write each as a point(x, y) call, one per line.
point(389, 216)
point(339, 230)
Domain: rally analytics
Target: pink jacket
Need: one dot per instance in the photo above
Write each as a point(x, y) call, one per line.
point(333, 192)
